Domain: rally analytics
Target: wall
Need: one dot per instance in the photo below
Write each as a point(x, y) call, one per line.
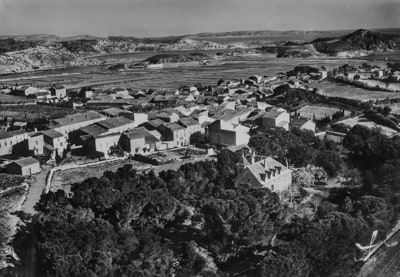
point(280, 182)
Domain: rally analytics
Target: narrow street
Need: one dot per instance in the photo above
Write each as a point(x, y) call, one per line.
point(35, 191)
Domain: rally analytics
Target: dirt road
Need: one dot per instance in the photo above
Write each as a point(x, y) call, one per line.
point(35, 191)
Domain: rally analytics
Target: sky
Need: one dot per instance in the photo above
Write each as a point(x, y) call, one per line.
point(147, 18)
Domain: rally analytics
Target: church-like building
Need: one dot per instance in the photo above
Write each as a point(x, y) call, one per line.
point(263, 171)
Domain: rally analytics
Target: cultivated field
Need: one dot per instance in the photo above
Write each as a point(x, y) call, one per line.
point(172, 78)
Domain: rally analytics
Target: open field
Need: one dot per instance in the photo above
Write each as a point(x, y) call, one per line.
point(63, 179)
point(171, 78)
point(336, 89)
point(319, 112)
point(33, 112)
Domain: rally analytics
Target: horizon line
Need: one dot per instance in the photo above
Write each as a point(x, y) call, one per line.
point(201, 33)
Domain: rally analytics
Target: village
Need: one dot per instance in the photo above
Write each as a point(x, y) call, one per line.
point(151, 126)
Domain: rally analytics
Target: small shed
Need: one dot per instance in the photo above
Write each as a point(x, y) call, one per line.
point(25, 166)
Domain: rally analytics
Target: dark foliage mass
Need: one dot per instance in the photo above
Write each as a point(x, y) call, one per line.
point(9, 45)
point(77, 46)
point(358, 40)
point(196, 222)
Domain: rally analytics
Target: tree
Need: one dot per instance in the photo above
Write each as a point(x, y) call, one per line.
point(330, 161)
point(198, 139)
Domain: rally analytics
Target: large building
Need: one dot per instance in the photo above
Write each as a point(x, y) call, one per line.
point(117, 124)
point(266, 172)
point(9, 140)
point(73, 122)
point(225, 133)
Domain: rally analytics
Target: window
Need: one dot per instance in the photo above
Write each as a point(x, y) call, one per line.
point(272, 187)
point(36, 142)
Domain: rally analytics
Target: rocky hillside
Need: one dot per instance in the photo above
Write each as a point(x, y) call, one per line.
point(22, 54)
point(39, 57)
point(360, 40)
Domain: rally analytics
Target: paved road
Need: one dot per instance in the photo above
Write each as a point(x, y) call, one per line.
point(35, 191)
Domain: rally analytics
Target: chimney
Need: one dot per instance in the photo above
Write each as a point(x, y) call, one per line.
point(265, 164)
point(253, 157)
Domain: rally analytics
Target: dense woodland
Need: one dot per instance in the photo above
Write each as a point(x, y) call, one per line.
point(195, 222)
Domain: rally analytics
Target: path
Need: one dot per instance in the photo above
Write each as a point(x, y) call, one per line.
point(385, 262)
point(36, 189)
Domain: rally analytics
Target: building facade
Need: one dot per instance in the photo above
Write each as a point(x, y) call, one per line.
point(266, 172)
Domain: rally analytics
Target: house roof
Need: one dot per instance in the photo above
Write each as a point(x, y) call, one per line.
point(52, 133)
point(273, 112)
point(155, 122)
point(142, 132)
point(297, 122)
point(4, 135)
point(188, 121)
point(114, 122)
point(173, 126)
point(265, 166)
point(106, 135)
point(41, 93)
point(93, 129)
point(26, 161)
point(77, 118)
point(113, 111)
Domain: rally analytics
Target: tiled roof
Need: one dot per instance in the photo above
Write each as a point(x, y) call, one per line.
point(77, 118)
point(4, 135)
point(26, 161)
point(93, 129)
point(52, 133)
point(114, 122)
point(273, 113)
point(299, 121)
point(188, 121)
point(142, 132)
point(114, 111)
point(266, 166)
point(173, 126)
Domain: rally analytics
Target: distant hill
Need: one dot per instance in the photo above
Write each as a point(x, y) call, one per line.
point(359, 40)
